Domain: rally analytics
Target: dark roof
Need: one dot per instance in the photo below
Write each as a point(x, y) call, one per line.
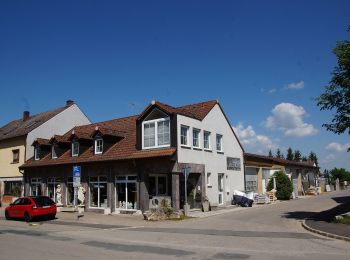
point(19, 127)
point(250, 157)
point(197, 111)
point(125, 130)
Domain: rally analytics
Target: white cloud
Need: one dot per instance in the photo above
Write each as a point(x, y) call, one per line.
point(288, 118)
point(337, 147)
point(295, 85)
point(273, 90)
point(249, 139)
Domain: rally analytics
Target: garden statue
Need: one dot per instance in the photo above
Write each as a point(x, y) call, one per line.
point(81, 195)
point(58, 195)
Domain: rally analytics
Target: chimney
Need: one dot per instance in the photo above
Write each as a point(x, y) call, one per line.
point(25, 115)
point(69, 103)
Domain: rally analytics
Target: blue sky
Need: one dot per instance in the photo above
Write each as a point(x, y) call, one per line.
point(265, 61)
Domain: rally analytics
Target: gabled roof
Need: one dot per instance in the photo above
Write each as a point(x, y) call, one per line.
point(41, 141)
point(197, 111)
point(250, 157)
point(19, 127)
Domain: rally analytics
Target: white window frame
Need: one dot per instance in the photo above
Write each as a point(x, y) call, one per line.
point(53, 151)
point(198, 137)
point(96, 140)
point(209, 142)
point(70, 181)
point(38, 184)
point(155, 121)
point(187, 135)
point(75, 143)
point(126, 181)
point(209, 179)
point(37, 153)
point(98, 192)
point(55, 181)
point(219, 137)
point(156, 182)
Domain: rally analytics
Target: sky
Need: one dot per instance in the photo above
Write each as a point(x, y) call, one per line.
point(265, 61)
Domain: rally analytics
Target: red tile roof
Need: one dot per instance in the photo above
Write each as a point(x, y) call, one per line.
point(125, 128)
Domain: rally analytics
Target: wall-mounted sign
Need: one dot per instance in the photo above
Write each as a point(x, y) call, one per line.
point(233, 164)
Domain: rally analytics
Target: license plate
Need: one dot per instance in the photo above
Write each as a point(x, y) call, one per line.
point(45, 207)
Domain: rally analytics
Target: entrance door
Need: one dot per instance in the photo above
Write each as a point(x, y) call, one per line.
point(221, 188)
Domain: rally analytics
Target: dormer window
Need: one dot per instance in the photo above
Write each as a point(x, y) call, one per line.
point(37, 153)
point(75, 148)
point(98, 146)
point(156, 133)
point(54, 151)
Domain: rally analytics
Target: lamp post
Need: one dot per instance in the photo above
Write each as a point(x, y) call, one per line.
point(186, 172)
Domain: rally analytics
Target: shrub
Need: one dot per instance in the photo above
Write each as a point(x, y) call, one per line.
point(284, 186)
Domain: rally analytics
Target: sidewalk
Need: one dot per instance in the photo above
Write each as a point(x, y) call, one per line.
point(322, 223)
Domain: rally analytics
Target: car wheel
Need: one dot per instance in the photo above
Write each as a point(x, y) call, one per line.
point(53, 216)
point(27, 217)
point(7, 215)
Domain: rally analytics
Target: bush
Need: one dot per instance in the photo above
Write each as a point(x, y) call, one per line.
point(284, 185)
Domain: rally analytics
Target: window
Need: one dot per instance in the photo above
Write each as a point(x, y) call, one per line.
point(98, 192)
point(13, 188)
point(157, 185)
point(98, 146)
point(54, 151)
point(35, 187)
point(15, 156)
point(156, 133)
point(209, 179)
point(184, 135)
point(51, 187)
point(206, 138)
point(196, 134)
point(75, 148)
point(37, 153)
point(219, 143)
point(126, 191)
point(70, 191)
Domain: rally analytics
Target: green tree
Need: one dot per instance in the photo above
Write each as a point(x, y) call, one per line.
point(340, 173)
point(284, 186)
point(337, 94)
point(313, 157)
point(304, 159)
point(297, 156)
point(290, 155)
point(278, 153)
point(270, 153)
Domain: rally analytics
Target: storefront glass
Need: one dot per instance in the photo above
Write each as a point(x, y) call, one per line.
point(126, 190)
point(35, 187)
point(98, 192)
point(51, 187)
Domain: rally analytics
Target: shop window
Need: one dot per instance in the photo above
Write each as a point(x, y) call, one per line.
point(98, 192)
point(127, 193)
point(13, 188)
point(157, 185)
point(52, 186)
point(70, 191)
point(35, 187)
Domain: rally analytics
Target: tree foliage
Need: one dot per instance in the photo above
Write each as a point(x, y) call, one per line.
point(270, 153)
point(297, 156)
point(339, 173)
point(284, 185)
point(313, 157)
point(278, 153)
point(336, 97)
point(290, 155)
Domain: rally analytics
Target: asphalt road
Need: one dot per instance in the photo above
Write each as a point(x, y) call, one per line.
point(268, 232)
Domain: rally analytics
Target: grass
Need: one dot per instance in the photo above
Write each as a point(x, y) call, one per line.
point(344, 220)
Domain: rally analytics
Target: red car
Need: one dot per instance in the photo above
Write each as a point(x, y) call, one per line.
point(31, 207)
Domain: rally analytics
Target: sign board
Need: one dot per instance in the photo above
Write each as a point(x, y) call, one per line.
point(233, 164)
point(76, 176)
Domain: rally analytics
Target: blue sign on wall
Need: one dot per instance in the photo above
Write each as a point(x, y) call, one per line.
point(76, 171)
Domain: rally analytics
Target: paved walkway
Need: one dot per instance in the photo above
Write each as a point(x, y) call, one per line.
point(323, 222)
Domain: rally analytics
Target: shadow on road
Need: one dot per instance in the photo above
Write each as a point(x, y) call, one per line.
point(326, 215)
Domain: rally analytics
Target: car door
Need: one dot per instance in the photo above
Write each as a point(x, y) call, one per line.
point(25, 206)
point(15, 208)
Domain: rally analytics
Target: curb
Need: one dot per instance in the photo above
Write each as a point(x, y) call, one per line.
point(322, 233)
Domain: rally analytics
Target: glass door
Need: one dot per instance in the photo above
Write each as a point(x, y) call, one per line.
point(221, 188)
point(51, 187)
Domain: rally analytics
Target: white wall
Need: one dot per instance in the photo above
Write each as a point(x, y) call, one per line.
point(59, 125)
point(216, 123)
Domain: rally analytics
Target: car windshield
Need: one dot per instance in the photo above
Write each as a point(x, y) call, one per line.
point(43, 201)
